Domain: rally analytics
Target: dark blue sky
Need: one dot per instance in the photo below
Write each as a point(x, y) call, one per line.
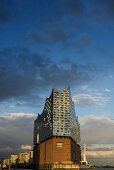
point(47, 44)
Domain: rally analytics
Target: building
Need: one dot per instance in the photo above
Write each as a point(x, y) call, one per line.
point(22, 158)
point(26, 157)
point(58, 118)
point(31, 156)
point(6, 162)
point(57, 131)
point(84, 163)
point(14, 159)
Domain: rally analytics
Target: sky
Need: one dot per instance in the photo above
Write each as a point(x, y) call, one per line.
point(46, 44)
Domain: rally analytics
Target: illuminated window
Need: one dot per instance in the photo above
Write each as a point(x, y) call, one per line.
point(59, 144)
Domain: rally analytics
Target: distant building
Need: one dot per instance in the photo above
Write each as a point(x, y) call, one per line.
point(6, 162)
point(14, 159)
point(26, 157)
point(84, 161)
point(22, 157)
point(57, 131)
point(31, 156)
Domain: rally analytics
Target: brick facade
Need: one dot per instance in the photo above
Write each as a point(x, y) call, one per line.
point(57, 150)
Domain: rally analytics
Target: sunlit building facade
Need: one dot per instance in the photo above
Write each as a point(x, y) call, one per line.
point(6, 162)
point(57, 133)
point(58, 118)
point(26, 157)
point(14, 159)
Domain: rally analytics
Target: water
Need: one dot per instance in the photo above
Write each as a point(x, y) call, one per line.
point(104, 168)
point(100, 169)
point(83, 169)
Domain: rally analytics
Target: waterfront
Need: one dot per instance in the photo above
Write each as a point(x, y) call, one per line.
point(83, 169)
point(104, 168)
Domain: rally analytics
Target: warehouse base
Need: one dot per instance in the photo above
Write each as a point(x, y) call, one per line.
point(55, 166)
point(57, 153)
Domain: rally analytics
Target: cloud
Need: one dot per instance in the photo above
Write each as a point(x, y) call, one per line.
point(88, 99)
point(5, 15)
point(102, 51)
point(51, 27)
point(110, 76)
point(83, 41)
point(32, 100)
point(84, 87)
point(107, 90)
point(16, 130)
point(101, 147)
point(26, 147)
point(97, 131)
point(23, 73)
point(53, 33)
point(36, 36)
point(6, 106)
point(93, 90)
point(109, 6)
point(56, 32)
point(23, 115)
point(100, 11)
point(22, 77)
point(99, 94)
point(15, 116)
point(72, 8)
point(101, 154)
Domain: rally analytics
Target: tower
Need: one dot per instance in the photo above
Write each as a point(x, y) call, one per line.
point(57, 129)
point(84, 161)
point(84, 153)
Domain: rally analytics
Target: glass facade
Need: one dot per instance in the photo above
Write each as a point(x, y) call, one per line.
point(58, 118)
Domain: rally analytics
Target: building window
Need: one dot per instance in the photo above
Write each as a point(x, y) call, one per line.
point(59, 144)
